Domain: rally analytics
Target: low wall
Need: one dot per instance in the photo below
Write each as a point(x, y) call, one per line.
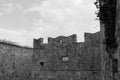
point(15, 62)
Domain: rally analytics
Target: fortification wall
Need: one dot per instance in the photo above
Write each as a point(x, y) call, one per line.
point(15, 62)
point(65, 59)
point(108, 15)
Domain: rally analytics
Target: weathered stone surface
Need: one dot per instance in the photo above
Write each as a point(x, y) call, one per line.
point(109, 23)
point(15, 62)
point(63, 58)
point(67, 59)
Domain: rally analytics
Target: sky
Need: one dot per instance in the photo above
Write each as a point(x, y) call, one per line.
point(23, 20)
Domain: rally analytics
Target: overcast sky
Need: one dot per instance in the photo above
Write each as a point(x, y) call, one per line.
point(23, 20)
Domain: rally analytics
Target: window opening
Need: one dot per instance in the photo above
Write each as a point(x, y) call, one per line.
point(65, 58)
point(61, 41)
point(42, 63)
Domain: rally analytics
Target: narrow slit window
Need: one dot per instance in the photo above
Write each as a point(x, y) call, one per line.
point(115, 65)
point(60, 41)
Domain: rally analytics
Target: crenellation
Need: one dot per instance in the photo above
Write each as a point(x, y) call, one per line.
point(38, 43)
point(64, 54)
point(62, 58)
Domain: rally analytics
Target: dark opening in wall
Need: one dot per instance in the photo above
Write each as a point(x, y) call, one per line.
point(29, 74)
point(42, 63)
point(52, 79)
point(85, 78)
point(94, 73)
point(16, 75)
point(115, 65)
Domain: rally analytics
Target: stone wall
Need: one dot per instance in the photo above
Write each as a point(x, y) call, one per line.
point(108, 15)
point(63, 58)
point(117, 34)
point(15, 62)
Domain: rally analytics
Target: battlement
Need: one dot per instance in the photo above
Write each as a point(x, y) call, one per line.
point(61, 40)
point(37, 43)
point(91, 36)
point(65, 54)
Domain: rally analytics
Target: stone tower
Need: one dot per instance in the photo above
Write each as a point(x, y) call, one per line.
point(109, 12)
point(63, 58)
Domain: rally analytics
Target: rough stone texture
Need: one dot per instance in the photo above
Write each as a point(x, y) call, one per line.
point(109, 21)
point(61, 59)
point(118, 31)
point(98, 58)
point(117, 34)
point(15, 62)
point(65, 59)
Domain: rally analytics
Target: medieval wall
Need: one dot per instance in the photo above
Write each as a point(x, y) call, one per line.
point(117, 34)
point(65, 59)
point(109, 39)
point(15, 62)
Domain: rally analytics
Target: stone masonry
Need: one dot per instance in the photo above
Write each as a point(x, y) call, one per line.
point(63, 58)
point(15, 62)
point(109, 15)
